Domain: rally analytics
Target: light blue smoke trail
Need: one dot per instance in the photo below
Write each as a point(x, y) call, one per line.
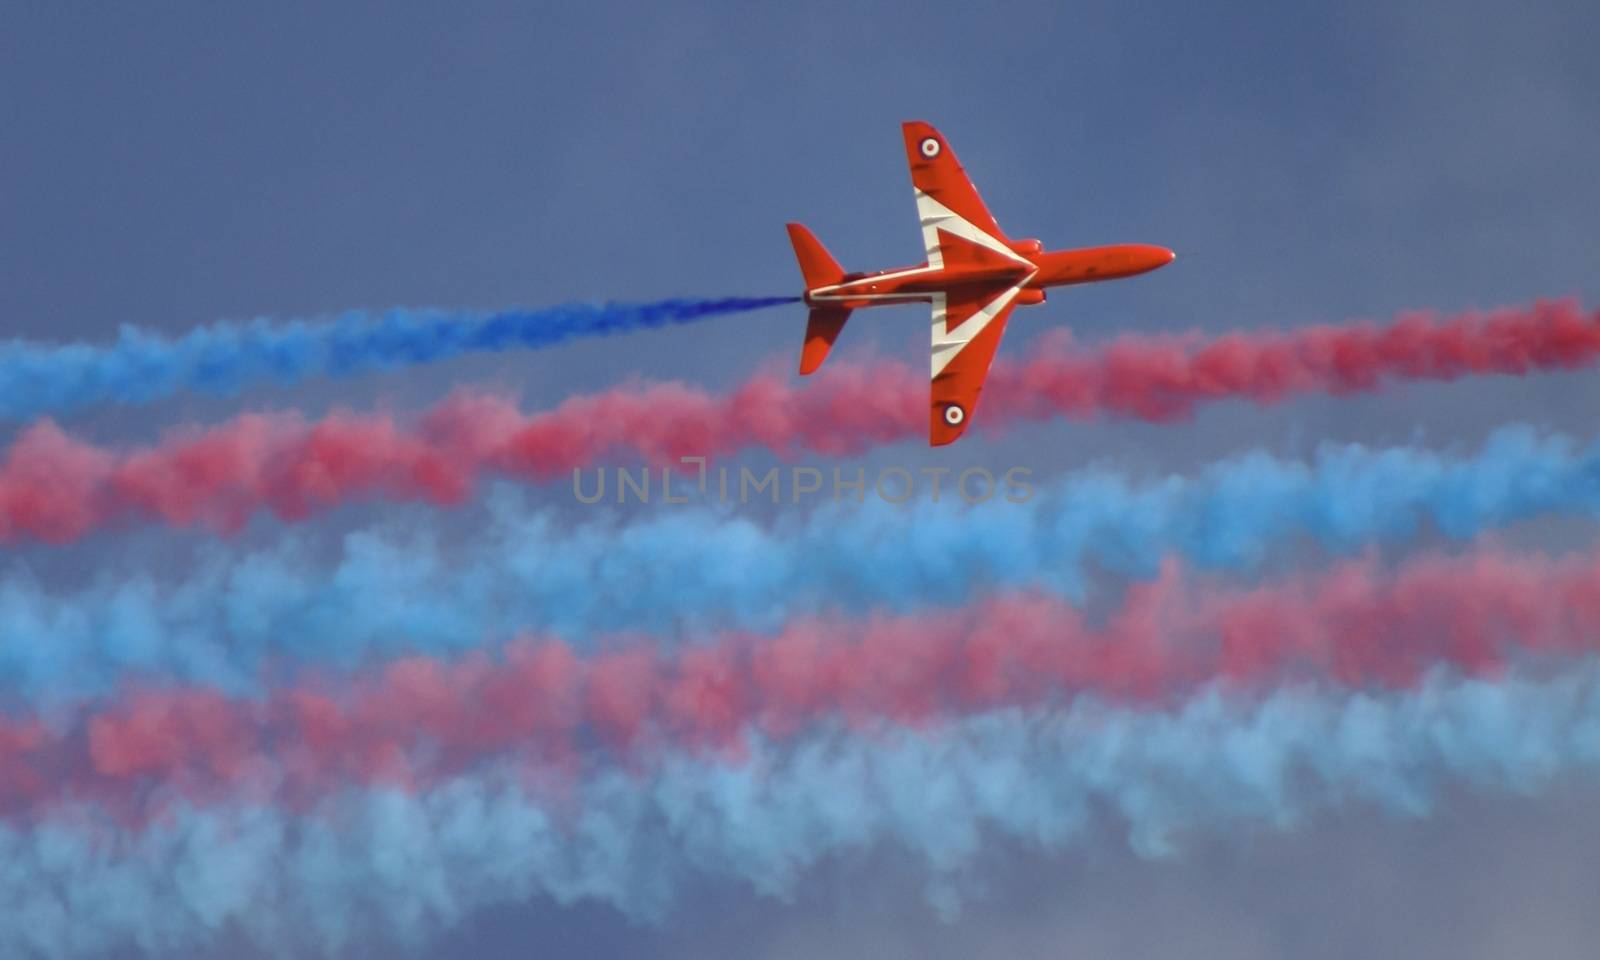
point(38, 378)
point(683, 570)
point(379, 865)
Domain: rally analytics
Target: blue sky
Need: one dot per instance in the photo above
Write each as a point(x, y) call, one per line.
point(172, 164)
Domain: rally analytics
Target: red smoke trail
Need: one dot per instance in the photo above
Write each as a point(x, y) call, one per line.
point(57, 489)
point(1165, 378)
point(416, 720)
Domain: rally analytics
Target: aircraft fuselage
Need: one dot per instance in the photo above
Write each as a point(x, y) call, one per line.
point(1043, 269)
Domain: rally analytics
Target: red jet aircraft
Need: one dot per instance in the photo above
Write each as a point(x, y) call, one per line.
point(974, 276)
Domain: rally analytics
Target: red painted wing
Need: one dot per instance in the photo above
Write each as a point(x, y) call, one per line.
point(967, 327)
point(936, 172)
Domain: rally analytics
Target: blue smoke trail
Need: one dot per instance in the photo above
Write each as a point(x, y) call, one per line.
point(377, 864)
point(684, 571)
point(140, 366)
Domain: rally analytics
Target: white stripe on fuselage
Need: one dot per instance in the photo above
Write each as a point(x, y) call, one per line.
point(842, 291)
point(876, 297)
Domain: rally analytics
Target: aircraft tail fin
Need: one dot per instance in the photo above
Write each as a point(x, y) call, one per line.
point(816, 263)
point(822, 328)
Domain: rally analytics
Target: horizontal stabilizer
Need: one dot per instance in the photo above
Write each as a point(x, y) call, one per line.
point(822, 328)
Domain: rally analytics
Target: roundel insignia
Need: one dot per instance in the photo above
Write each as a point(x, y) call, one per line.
point(930, 147)
point(953, 415)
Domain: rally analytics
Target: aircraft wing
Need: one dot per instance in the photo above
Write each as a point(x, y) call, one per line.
point(967, 326)
point(959, 232)
point(946, 199)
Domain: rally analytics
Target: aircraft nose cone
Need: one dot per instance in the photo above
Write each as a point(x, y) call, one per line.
point(1144, 257)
